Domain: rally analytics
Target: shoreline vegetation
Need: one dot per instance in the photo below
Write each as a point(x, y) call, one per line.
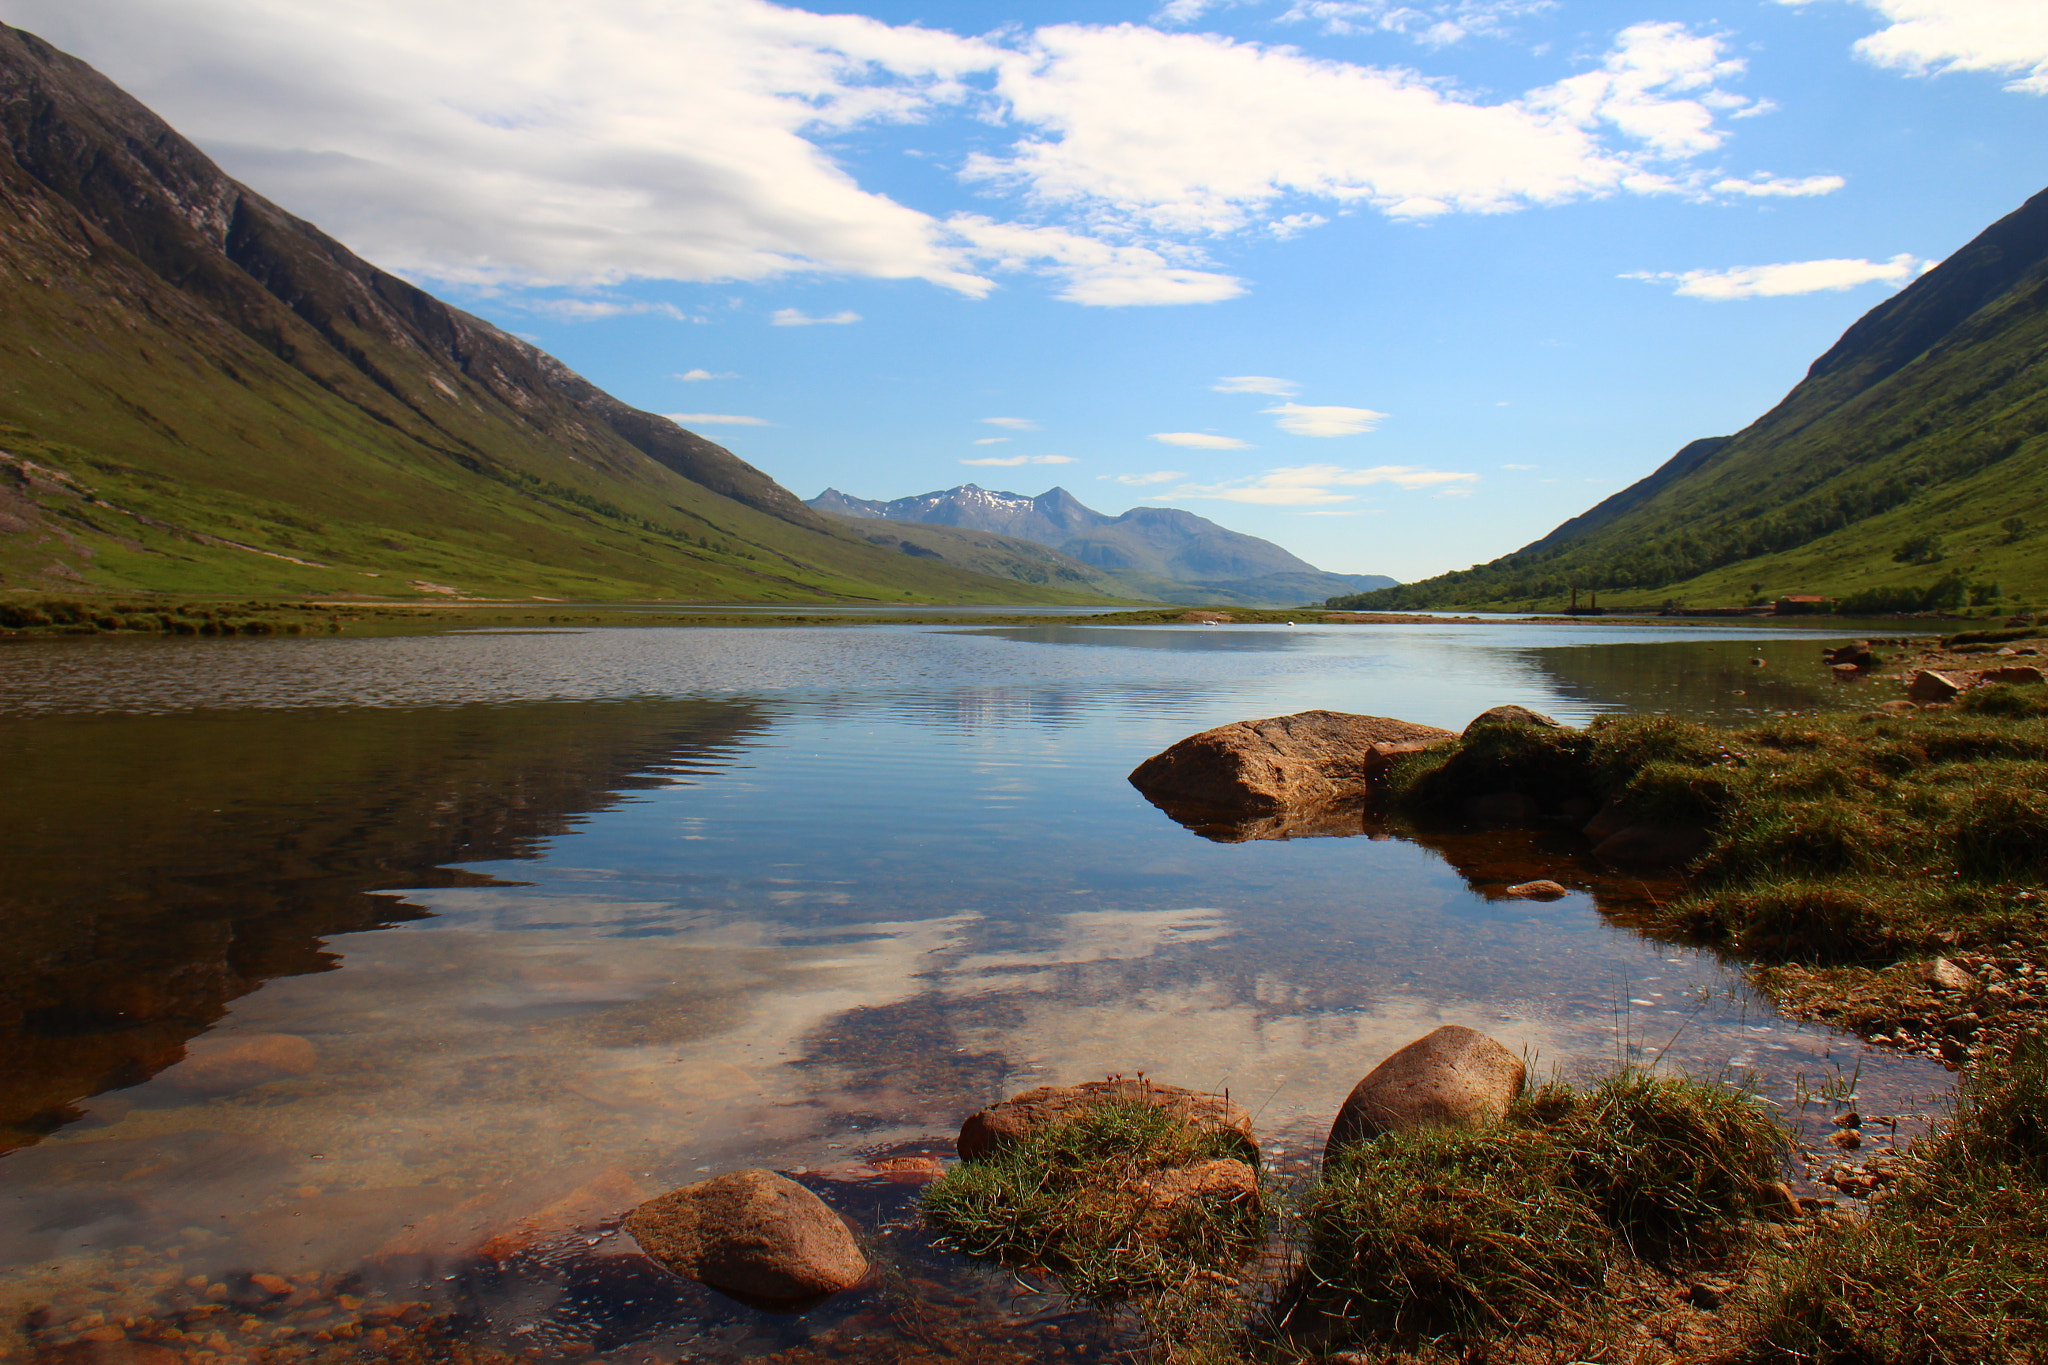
point(41, 615)
point(1880, 871)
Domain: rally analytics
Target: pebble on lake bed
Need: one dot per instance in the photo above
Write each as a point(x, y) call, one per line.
point(751, 1233)
point(1536, 891)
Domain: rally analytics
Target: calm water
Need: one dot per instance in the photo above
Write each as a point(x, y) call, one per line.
point(327, 959)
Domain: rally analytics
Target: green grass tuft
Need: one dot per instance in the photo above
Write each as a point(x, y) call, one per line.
point(1951, 1267)
point(1069, 1200)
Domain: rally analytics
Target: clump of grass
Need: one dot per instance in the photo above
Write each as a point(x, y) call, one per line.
point(1471, 1234)
point(1076, 1199)
point(1951, 1267)
point(1549, 765)
point(1444, 1231)
point(1833, 838)
point(1671, 1164)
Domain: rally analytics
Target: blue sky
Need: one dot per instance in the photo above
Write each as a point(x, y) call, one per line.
point(1400, 287)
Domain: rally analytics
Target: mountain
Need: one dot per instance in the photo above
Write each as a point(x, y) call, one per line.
point(1907, 471)
point(200, 392)
point(1157, 552)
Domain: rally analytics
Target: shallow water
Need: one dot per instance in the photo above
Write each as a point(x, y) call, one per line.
point(328, 958)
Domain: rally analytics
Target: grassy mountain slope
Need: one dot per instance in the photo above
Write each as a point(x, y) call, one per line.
point(1909, 469)
point(202, 393)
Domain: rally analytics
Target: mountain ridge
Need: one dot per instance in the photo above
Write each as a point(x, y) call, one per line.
point(200, 392)
point(1165, 552)
point(1908, 469)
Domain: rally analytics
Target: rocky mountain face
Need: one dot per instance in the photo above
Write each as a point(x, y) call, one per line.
point(1160, 552)
point(1907, 471)
point(202, 392)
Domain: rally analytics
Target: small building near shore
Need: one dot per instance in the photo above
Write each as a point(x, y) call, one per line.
point(1800, 604)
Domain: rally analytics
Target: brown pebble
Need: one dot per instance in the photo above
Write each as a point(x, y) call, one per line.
point(272, 1284)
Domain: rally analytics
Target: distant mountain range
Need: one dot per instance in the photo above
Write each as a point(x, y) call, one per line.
point(1160, 553)
point(201, 393)
point(1908, 471)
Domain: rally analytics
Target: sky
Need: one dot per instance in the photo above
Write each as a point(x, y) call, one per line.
point(1397, 286)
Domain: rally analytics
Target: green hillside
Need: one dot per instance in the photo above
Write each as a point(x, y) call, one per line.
point(200, 393)
point(1908, 471)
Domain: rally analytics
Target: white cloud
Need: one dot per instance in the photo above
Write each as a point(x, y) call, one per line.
point(519, 143)
point(1181, 133)
point(1790, 277)
point(590, 310)
point(1143, 480)
point(796, 317)
point(1316, 484)
point(1766, 187)
point(1307, 420)
point(1009, 461)
point(1437, 25)
point(1096, 272)
point(1932, 37)
point(990, 440)
point(1012, 423)
point(1518, 466)
point(1257, 383)
point(1199, 440)
point(715, 419)
point(698, 376)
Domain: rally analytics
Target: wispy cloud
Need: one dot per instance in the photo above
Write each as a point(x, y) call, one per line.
point(592, 310)
point(990, 440)
point(1518, 466)
point(1318, 484)
point(1199, 440)
point(698, 376)
point(796, 317)
point(1144, 480)
point(1257, 383)
point(1789, 277)
point(1307, 420)
point(716, 419)
point(1010, 461)
point(1779, 187)
point(1011, 423)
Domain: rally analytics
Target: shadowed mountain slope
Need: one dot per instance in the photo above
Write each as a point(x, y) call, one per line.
point(1907, 471)
point(201, 392)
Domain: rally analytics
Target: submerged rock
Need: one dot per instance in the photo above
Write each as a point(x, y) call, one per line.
point(222, 1064)
point(990, 1129)
point(751, 1233)
point(1455, 1077)
point(1541, 890)
point(1312, 758)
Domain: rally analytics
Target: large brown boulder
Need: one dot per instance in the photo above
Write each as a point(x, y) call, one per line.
point(1266, 765)
point(751, 1233)
point(1455, 1077)
point(991, 1129)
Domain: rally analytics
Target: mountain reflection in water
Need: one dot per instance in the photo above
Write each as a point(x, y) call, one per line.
point(421, 938)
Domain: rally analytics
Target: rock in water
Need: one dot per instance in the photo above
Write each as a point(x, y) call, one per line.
point(1544, 890)
point(1283, 761)
point(1021, 1115)
point(750, 1233)
point(1455, 1077)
